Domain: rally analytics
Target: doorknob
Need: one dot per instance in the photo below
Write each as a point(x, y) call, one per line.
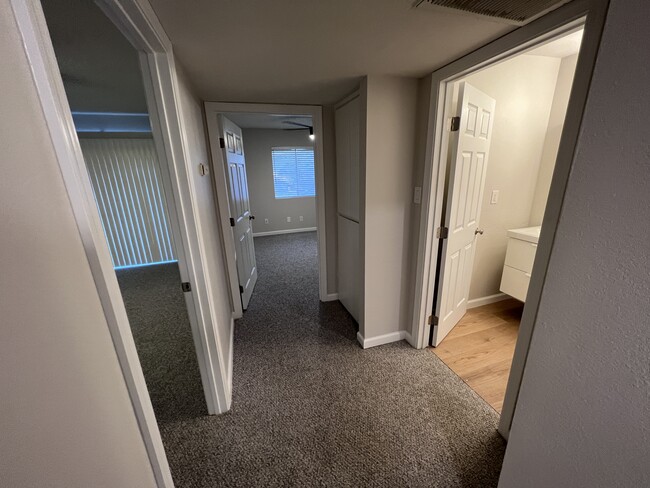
point(478, 231)
point(251, 217)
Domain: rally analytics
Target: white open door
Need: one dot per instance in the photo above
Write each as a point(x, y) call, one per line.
point(240, 210)
point(469, 156)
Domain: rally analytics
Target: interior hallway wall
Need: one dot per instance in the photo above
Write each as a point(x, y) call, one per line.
point(66, 416)
point(205, 208)
point(552, 140)
point(258, 144)
point(388, 129)
point(331, 213)
point(523, 88)
point(583, 416)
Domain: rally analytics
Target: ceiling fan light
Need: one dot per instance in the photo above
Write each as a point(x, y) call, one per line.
point(311, 133)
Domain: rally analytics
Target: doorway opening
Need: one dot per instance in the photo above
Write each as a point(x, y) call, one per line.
point(501, 158)
point(104, 86)
point(269, 180)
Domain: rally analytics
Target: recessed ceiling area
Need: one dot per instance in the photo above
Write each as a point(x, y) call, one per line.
point(99, 67)
point(312, 52)
point(269, 121)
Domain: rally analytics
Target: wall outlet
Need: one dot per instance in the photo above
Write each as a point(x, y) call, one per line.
point(288, 219)
point(494, 199)
point(302, 218)
point(266, 221)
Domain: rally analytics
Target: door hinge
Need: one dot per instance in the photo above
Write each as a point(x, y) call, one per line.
point(232, 222)
point(241, 289)
point(186, 287)
point(222, 143)
point(442, 232)
point(433, 320)
point(455, 124)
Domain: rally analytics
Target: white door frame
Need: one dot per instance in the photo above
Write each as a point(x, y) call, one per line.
point(212, 110)
point(139, 24)
point(591, 14)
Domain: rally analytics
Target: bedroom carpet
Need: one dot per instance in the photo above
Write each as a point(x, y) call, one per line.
point(310, 407)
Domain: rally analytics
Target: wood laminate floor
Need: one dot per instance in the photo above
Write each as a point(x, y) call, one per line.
point(480, 348)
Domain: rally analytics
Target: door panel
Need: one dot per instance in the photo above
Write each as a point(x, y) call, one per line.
point(239, 209)
point(469, 152)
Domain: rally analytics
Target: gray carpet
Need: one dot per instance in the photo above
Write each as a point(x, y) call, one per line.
point(311, 408)
point(163, 338)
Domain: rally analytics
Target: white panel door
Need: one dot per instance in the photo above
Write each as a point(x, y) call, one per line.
point(240, 210)
point(469, 154)
point(347, 159)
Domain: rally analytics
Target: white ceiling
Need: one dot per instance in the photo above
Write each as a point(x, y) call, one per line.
point(100, 68)
point(267, 121)
point(311, 51)
point(560, 48)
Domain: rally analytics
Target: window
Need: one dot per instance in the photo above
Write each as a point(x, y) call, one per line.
point(293, 172)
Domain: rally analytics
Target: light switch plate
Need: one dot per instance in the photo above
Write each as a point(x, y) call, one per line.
point(494, 199)
point(417, 194)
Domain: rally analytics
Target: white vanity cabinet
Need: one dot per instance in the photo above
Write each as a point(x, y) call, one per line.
point(520, 257)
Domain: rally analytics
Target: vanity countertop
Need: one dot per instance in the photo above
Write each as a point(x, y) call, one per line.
point(529, 234)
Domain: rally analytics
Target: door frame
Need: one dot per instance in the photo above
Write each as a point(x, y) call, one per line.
point(137, 21)
point(212, 111)
point(589, 13)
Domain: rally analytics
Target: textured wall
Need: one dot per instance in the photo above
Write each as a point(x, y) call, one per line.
point(65, 414)
point(259, 171)
point(583, 414)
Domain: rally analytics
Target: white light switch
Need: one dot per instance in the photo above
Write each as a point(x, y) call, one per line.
point(494, 199)
point(288, 219)
point(301, 218)
point(417, 194)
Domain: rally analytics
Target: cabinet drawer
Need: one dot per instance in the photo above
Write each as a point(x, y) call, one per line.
point(514, 282)
point(520, 254)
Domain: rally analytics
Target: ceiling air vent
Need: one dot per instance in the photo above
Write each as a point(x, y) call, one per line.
point(517, 12)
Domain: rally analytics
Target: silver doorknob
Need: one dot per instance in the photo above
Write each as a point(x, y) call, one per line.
point(478, 231)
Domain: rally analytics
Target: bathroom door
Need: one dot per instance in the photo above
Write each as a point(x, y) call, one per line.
point(469, 153)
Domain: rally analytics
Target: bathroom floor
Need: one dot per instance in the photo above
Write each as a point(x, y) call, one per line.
point(480, 348)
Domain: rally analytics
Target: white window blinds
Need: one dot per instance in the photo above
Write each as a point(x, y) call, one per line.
point(293, 172)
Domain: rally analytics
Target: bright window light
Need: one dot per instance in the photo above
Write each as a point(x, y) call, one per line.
point(293, 172)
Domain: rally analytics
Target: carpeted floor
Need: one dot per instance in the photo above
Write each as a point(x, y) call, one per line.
point(311, 408)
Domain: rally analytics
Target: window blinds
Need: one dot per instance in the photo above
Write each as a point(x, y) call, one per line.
point(126, 182)
point(293, 172)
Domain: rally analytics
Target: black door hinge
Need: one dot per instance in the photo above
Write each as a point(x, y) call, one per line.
point(241, 289)
point(232, 222)
point(186, 287)
point(222, 142)
point(455, 124)
point(442, 232)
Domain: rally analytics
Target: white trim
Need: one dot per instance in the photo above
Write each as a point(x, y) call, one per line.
point(285, 231)
point(400, 335)
point(212, 110)
point(331, 297)
point(49, 85)
point(479, 302)
point(559, 21)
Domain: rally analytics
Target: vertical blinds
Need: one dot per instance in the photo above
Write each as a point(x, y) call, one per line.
point(293, 172)
point(125, 177)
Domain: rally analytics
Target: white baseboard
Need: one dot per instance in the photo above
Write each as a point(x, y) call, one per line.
point(286, 231)
point(479, 302)
point(330, 297)
point(382, 339)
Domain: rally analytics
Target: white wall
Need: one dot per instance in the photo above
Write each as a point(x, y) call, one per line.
point(65, 414)
point(205, 208)
point(552, 140)
point(331, 215)
point(388, 129)
point(523, 88)
point(259, 171)
point(583, 413)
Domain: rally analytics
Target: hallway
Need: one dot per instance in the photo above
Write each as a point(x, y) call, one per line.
point(311, 408)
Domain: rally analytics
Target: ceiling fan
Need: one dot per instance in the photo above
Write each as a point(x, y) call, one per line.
point(300, 126)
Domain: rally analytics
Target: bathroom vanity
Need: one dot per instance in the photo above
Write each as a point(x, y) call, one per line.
point(520, 257)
